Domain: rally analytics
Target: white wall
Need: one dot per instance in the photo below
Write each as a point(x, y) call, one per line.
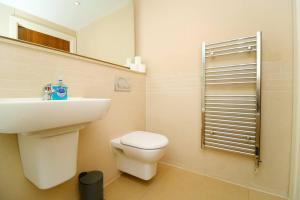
point(5, 13)
point(110, 38)
point(295, 158)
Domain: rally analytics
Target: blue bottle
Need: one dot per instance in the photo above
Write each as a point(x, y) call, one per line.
point(59, 91)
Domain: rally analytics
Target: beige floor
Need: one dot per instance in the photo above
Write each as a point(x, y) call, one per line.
point(175, 184)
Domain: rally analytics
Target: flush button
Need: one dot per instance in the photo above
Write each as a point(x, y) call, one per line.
point(122, 84)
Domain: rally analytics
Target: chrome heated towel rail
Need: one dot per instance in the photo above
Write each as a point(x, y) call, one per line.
point(231, 96)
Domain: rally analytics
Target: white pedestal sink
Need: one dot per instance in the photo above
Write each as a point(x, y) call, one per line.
point(48, 134)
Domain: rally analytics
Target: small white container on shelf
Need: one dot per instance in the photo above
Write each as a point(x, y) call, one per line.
point(142, 68)
point(133, 67)
point(136, 65)
point(137, 60)
point(128, 62)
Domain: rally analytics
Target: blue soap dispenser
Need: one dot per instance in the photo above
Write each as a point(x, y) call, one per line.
point(59, 91)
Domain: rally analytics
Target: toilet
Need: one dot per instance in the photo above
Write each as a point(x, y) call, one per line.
point(138, 152)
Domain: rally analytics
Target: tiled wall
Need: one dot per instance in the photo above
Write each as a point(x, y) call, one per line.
point(169, 37)
point(23, 73)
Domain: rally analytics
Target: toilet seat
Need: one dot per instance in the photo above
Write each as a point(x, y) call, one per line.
point(144, 140)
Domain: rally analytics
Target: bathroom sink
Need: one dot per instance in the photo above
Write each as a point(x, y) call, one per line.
point(48, 133)
point(30, 115)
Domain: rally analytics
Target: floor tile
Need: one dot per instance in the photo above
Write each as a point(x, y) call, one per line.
point(177, 184)
point(255, 195)
point(128, 187)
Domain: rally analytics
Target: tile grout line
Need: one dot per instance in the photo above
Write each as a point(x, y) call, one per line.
point(222, 180)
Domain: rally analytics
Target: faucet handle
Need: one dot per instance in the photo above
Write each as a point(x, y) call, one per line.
point(47, 87)
point(47, 92)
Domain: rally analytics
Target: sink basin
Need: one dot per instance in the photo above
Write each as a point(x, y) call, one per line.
point(48, 133)
point(31, 115)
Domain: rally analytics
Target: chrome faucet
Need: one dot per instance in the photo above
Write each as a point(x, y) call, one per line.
point(47, 92)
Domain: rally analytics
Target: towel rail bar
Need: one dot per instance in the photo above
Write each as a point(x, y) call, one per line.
point(230, 129)
point(224, 79)
point(228, 41)
point(229, 121)
point(230, 70)
point(232, 74)
point(232, 83)
point(232, 100)
point(230, 53)
point(249, 47)
point(231, 117)
point(231, 104)
point(229, 150)
point(244, 141)
point(233, 44)
point(230, 66)
point(230, 95)
point(233, 113)
point(231, 135)
point(234, 144)
point(245, 150)
point(222, 125)
point(226, 108)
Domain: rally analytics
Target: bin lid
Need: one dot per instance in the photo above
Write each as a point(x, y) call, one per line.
point(91, 177)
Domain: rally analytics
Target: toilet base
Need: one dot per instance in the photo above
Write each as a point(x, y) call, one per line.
point(142, 170)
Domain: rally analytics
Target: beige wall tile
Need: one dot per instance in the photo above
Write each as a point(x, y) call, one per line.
point(169, 36)
point(255, 195)
point(23, 74)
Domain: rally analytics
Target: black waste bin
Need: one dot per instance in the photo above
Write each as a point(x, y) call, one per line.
point(91, 185)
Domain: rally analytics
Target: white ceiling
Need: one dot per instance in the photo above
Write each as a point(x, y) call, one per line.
point(65, 12)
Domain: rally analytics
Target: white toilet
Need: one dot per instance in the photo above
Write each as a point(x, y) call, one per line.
point(138, 153)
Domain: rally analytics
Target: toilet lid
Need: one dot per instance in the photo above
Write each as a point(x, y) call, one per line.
point(144, 140)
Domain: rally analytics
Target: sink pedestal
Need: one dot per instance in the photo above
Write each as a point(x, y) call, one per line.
point(49, 160)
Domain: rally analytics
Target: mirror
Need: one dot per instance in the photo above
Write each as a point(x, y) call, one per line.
point(99, 29)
